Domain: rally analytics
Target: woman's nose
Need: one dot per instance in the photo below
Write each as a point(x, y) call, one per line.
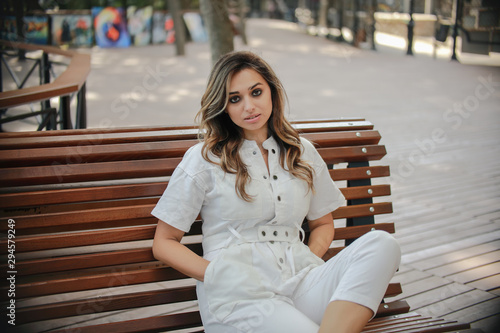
point(248, 104)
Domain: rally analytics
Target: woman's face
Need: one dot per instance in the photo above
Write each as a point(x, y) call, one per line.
point(250, 103)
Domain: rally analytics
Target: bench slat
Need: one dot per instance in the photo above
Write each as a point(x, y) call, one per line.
point(411, 322)
point(71, 140)
point(352, 154)
point(80, 206)
point(333, 126)
point(106, 303)
point(125, 301)
point(391, 308)
point(150, 197)
point(112, 277)
point(61, 196)
point(103, 259)
point(147, 150)
point(100, 131)
point(361, 192)
point(127, 234)
point(160, 323)
point(418, 324)
point(136, 129)
point(363, 210)
point(360, 173)
point(59, 241)
point(74, 195)
point(94, 154)
point(150, 324)
point(357, 231)
point(85, 214)
point(61, 173)
point(83, 261)
point(83, 217)
point(156, 134)
point(77, 281)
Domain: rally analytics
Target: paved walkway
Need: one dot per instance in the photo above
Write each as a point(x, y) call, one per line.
point(439, 120)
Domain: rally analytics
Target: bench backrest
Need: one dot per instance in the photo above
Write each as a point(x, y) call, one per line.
point(80, 202)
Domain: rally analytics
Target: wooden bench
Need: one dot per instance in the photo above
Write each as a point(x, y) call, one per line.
point(78, 203)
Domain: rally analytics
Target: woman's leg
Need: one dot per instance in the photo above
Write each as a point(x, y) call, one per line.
point(355, 279)
point(345, 316)
point(258, 316)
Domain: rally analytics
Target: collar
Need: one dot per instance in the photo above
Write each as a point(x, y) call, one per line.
point(269, 144)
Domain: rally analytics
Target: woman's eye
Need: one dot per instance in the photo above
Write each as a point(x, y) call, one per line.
point(234, 99)
point(257, 92)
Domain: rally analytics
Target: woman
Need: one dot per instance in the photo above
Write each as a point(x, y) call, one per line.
point(254, 180)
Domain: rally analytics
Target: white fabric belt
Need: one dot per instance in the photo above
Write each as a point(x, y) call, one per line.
point(265, 233)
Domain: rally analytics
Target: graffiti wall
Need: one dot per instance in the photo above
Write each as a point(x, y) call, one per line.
point(163, 28)
point(139, 24)
point(105, 26)
point(72, 30)
point(110, 27)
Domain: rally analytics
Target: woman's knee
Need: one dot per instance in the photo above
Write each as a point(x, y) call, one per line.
point(384, 243)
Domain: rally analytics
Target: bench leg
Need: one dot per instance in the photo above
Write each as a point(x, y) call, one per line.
point(357, 221)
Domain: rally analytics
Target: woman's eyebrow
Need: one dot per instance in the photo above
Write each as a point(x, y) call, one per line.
point(237, 92)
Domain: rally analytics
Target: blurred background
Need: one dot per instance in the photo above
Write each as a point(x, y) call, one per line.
point(426, 73)
point(183, 37)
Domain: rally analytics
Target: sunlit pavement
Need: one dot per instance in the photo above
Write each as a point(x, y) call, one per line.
point(151, 86)
point(143, 86)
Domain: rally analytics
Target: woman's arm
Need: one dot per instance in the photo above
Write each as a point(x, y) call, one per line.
point(322, 232)
point(168, 249)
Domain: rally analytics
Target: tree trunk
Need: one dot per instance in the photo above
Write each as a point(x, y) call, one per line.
point(21, 37)
point(323, 13)
point(242, 11)
point(220, 33)
point(180, 34)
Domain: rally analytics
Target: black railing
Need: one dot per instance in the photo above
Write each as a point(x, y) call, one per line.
point(66, 86)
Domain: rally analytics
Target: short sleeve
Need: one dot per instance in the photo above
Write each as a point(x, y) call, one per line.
point(327, 196)
point(182, 200)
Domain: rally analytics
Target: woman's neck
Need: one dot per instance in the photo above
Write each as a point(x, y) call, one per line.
point(258, 137)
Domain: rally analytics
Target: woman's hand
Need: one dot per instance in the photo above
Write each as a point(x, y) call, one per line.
point(168, 249)
point(321, 236)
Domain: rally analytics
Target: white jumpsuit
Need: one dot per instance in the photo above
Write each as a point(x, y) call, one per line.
point(261, 277)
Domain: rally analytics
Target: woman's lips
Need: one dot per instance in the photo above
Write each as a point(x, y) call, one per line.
point(253, 118)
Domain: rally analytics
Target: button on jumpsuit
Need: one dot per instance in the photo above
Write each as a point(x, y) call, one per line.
point(261, 276)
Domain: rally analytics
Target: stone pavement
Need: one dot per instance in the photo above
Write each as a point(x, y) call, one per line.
point(438, 119)
point(151, 86)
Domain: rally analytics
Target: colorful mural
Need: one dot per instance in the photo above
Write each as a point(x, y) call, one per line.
point(110, 27)
point(8, 30)
point(139, 24)
point(163, 28)
point(195, 27)
point(72, 30)
point(36, 29)
point(107, 26)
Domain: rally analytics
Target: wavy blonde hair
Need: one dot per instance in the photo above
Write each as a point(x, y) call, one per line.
point(223, 138)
